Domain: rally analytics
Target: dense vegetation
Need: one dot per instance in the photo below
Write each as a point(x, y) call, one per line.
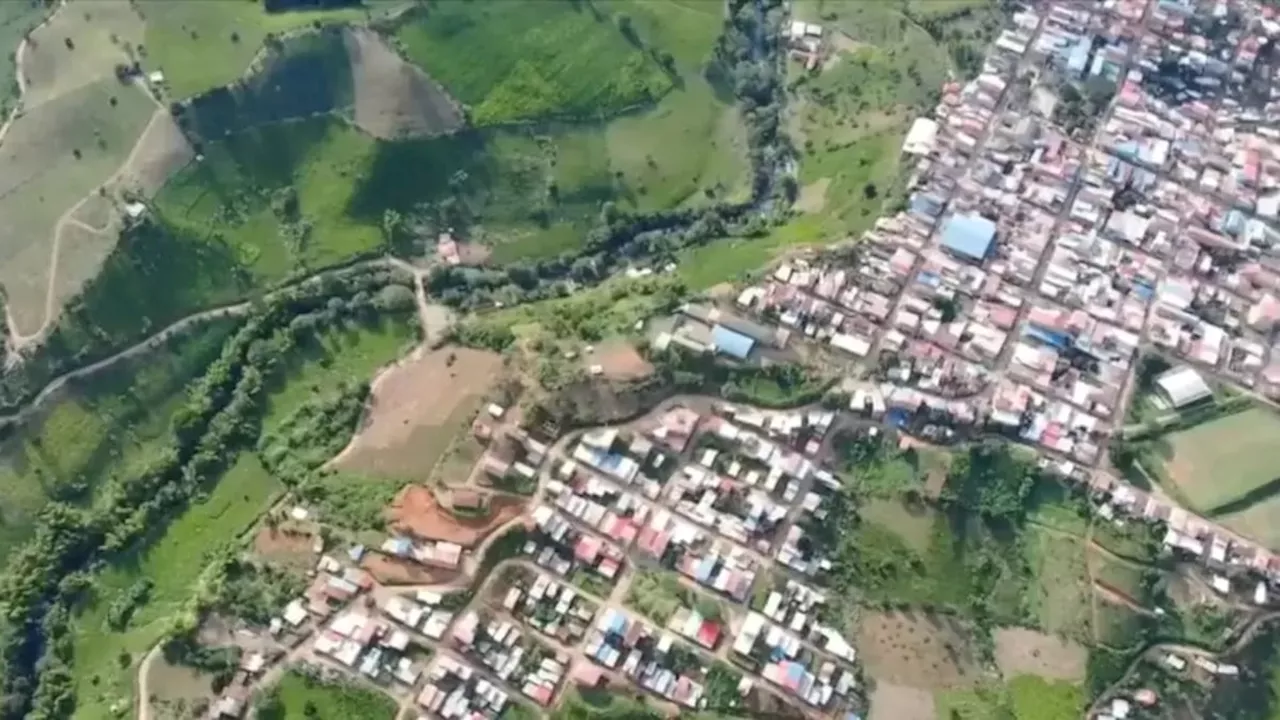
point(221, 415)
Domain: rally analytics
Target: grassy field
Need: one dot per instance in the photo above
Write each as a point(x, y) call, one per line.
point(1026, 697)
point(1119, 576)
point(334, 357)
point(54, 156)
point(298, 694)
point(540, 59)
point(16, 19)
point(1059, 597)
point(1225, 462)
point(108, 423)
point(105, 660)
point(203, 45)
point(848, 117)
point(1118, 627)
point(1258, 521)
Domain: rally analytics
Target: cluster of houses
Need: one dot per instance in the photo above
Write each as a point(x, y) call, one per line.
point(562, 548)
point(499, 645)
point(455, 690)
point(424, 612)
point(651, 659)
point(784, 660)
point(549, 607)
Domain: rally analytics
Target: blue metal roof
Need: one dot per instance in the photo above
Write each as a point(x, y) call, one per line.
point(969, 235)
point(731, 343)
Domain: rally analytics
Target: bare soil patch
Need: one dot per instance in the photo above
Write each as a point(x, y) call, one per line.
point(417, 511)
point(390, 570)
point(813, 197)
point(1026, 652)
point(899, 702)
point(619, 361)
point(417, 408)
point(177, 691)
point(917, 650)
point(286, 545)
point(395, 99)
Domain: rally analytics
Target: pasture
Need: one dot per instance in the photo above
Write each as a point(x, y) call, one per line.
point(105, 659)
point(1221, 464)
point(110, 422)
point(849, 116)
point(203, 45)
point(351, 353)
point(1019, 651)
point(417, 409)
point(54, 156)
point(16, 20)
point(1060, 595)
point(917, 650)
point(393, 98)
point(78, 46)
point(541, 60)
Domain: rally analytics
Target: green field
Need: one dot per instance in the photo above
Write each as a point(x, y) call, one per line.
point(105, 659)
point(176, 560)
point(848, 117)
point(1222, 463)
point(203, 45)
point(108, 423)
point(1025, 697)
point(539, 60)
point(16, 20)
point(299, 696)
point(349, 354)
point(1060, 595)
point(1119, 627)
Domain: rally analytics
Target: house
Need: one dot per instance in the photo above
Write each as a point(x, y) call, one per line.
point(1182, 386)
point(970, 237)
point(731, 343)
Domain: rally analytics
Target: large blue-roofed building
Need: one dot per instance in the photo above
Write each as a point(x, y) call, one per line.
point(969, 236)
point(731, 343)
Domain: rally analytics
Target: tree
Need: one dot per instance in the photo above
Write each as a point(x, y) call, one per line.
point(626, 28)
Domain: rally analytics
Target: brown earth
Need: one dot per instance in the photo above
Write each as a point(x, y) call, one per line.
point(417, 408)
point(619, 361)
point(393, 98)
point(917, 650)
point(416, 511)
point(389, 570)
point(286, 545)
point(899, 702)
point(1026, 652)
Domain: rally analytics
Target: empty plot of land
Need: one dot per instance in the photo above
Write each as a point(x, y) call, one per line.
point(52, 158)
point(899, 702)
point(916, 650)
point(390, 570)
point(417, 511)
point(394, 99)
point(1027, 652)
point(416, 408)
point(80, 45)
point(1224, 460)
point(176, 688)
point(619, 361)
point(1260, 521)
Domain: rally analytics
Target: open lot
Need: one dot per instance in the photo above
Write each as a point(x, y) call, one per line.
point(1026, 652)
point(176, 690)
point(915, 525)
point(105, 659)
point(417, 408)
point(1260, 521)
point(417, 511)
point(900, 702)
point(301, 696)
point(1225, 461)
point(916, 650)
point(618, 361)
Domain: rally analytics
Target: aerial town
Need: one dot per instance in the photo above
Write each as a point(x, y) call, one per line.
point(1046, 247)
